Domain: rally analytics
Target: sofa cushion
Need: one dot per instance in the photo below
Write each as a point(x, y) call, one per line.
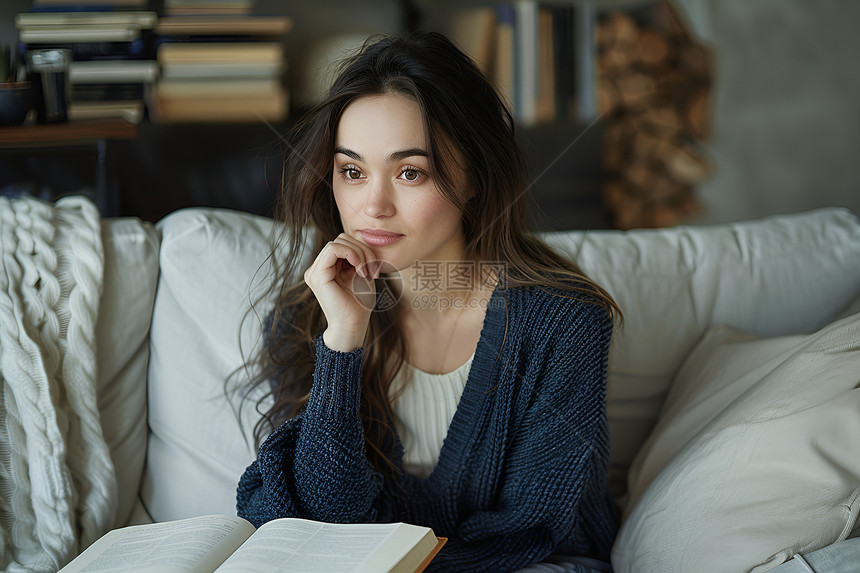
point(780, 275)
point(198, 445)
point(755, 457)
point(122, 350)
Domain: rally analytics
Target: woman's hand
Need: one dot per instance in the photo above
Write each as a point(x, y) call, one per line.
point(341, 278)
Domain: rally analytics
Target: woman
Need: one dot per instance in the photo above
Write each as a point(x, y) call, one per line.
point(429, 314)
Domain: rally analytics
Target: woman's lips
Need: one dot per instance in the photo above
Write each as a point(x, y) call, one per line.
point(378, 237)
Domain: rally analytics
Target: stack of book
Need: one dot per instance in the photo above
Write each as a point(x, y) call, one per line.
point(113, 56)
point(221, 68)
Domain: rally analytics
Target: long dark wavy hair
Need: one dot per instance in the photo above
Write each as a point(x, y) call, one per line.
point(468, 128)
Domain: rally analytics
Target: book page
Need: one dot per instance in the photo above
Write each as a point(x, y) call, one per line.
point(299, 546)
point(195, 545)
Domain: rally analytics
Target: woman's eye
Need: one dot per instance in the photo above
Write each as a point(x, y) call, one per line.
point(410, 174)
point(351, 173)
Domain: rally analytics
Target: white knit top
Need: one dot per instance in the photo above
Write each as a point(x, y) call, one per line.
point(424, 410)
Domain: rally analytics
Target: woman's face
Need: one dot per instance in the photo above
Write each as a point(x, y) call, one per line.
point(382, 184)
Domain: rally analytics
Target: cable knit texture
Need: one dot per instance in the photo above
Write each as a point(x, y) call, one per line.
point(57, 481)
point(522, 471)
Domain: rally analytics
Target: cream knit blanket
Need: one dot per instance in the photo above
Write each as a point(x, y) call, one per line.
point(57, 481)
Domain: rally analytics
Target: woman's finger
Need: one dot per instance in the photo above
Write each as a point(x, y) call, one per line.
point(369, 268)
point(326, 266)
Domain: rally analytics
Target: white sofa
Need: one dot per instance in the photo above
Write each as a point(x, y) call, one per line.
point(755, 455)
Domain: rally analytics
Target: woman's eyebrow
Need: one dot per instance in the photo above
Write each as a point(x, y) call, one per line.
point(396, 156)
point(399, 155)
point(348, 153)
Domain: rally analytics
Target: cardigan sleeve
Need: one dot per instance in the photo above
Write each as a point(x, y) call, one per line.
point(553, 494)
point(314, 465)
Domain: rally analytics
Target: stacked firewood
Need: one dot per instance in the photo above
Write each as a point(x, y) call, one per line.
point(653, 90)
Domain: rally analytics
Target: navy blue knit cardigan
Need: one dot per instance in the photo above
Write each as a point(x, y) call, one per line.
point(522, 472)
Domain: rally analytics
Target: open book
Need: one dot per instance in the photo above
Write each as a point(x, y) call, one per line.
point(223, 544)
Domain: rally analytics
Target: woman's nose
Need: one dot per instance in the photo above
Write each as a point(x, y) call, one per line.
point(379, 201)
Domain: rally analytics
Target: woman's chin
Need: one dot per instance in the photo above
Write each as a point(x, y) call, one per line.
point(392, 267)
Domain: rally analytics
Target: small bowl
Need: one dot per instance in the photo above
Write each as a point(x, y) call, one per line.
point(16, 99)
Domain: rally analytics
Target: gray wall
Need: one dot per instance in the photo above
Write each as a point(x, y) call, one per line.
point(786, 105)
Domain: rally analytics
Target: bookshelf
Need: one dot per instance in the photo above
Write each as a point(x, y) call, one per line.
point(541, 56)
point(68, 133)
point(29, 139)
point(564, 153)
point(632, 70)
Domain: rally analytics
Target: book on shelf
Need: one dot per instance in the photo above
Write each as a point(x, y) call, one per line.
point(228, 544)
point(130, 110)
point(109, 92)
point(474, 30)
point(221, 108)
point(227, 88)
point(191, 10)
point(91, 33)
point(236, 70)
point(545, 104)
point(220, 52)
point(186, 7)
point(88, 4)
point(113, 71)
point(527, 60)
point(136, 18)
point(218, 24)
point(502, 73)
point(138, 49)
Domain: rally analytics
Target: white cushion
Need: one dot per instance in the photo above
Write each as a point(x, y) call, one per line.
point(779, 275)
point(755, 457)
point(122, 350)
point(197, 446)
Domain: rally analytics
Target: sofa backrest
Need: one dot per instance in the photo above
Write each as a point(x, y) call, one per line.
point(781, 275)
point(198, 446)
point(122, 349)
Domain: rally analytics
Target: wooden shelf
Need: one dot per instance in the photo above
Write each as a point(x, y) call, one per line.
point(74, 132)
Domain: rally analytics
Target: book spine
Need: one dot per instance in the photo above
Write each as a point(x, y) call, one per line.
point(77, 34)
point(526, 40)
point(586, 56)
point(92, 4)
point(504, 69)
point(115, 92)
point(565, 94)
point(210, 38)
point(140, 19)
point(138, 49)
